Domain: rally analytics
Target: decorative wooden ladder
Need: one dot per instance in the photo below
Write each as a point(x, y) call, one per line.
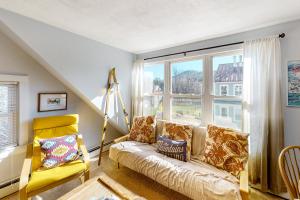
point(112, 83)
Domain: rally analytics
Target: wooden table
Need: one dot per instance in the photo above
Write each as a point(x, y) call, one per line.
point(99, 188)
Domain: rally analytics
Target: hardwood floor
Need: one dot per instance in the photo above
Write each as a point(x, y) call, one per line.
point(133, 181)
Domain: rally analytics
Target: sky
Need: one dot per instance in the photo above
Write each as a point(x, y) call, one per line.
point(196, 65)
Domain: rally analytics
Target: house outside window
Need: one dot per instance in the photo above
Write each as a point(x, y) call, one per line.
point(238, 90)
point(224, 112)
point(197, 90)
point(223, 90)
point(237, 114)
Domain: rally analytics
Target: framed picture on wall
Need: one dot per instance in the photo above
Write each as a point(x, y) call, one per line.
point(293, 83)
point(52, 101)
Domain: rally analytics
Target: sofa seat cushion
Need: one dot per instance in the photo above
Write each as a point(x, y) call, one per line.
point(194, 179)
point(42, 178)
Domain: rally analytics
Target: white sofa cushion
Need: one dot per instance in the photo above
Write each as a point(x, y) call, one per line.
point(194, 179)
point(198, 140)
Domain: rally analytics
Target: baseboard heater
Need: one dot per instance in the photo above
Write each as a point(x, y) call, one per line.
point(8, 183)
point(98, 147)
point(9, 187)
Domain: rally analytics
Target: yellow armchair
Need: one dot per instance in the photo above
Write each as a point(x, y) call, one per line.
point(33, 180)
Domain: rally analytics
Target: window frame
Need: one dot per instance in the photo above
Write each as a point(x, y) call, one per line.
point(23, 118)
point(208, 96)
point(15, 113)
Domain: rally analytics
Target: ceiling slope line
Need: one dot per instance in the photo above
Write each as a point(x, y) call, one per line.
point(23, 45)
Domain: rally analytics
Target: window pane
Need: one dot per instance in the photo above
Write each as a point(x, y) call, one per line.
point(186, 110)
point(187, 77)
point(228, 113)
point(228, 75)
point(8, 115)
point(152, 105)
point(153, 78)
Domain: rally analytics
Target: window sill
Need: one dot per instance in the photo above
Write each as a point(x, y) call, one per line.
point(5, 152)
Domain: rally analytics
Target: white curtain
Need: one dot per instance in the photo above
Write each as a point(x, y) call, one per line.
point(263, 110)
point(137, 88)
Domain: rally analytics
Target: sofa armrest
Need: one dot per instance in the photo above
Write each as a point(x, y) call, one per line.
point(121, 139)
point(26, 169)
point(85, 153)
point(244, 186)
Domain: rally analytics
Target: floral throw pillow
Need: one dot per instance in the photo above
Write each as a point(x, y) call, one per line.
point(59, 150)
point(179, 132)
point(143, 129)
point(226, 149)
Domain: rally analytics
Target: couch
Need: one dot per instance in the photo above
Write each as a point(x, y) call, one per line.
point(195, 179)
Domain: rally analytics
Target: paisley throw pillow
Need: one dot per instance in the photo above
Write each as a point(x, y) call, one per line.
point(179, 132)
point(59, 150)
point(143, 129)
point(226, 149)
point(172, 148)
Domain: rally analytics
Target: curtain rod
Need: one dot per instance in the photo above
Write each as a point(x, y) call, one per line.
point(282, 35)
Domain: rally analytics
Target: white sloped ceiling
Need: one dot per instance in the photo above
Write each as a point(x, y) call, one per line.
point(80, 63)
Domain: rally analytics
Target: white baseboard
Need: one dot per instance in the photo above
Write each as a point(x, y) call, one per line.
point(10, 189)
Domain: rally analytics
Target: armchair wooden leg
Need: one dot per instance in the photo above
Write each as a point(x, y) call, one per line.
point(81, 178)
point(118, 165)
point(23, 194)
point(86, 175)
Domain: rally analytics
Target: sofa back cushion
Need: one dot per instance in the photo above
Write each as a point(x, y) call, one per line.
point(159, 127)
point(50, 127)
point(198, 138)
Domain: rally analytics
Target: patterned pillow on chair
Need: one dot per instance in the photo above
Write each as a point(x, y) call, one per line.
point(179, 132)
point(59, 150)
point(172, 148)
point(226, 149)
point(143, 129)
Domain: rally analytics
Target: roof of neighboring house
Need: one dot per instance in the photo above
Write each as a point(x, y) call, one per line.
point(229, 72)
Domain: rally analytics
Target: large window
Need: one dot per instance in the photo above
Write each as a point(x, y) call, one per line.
point(8, 114)
point(198, 90)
